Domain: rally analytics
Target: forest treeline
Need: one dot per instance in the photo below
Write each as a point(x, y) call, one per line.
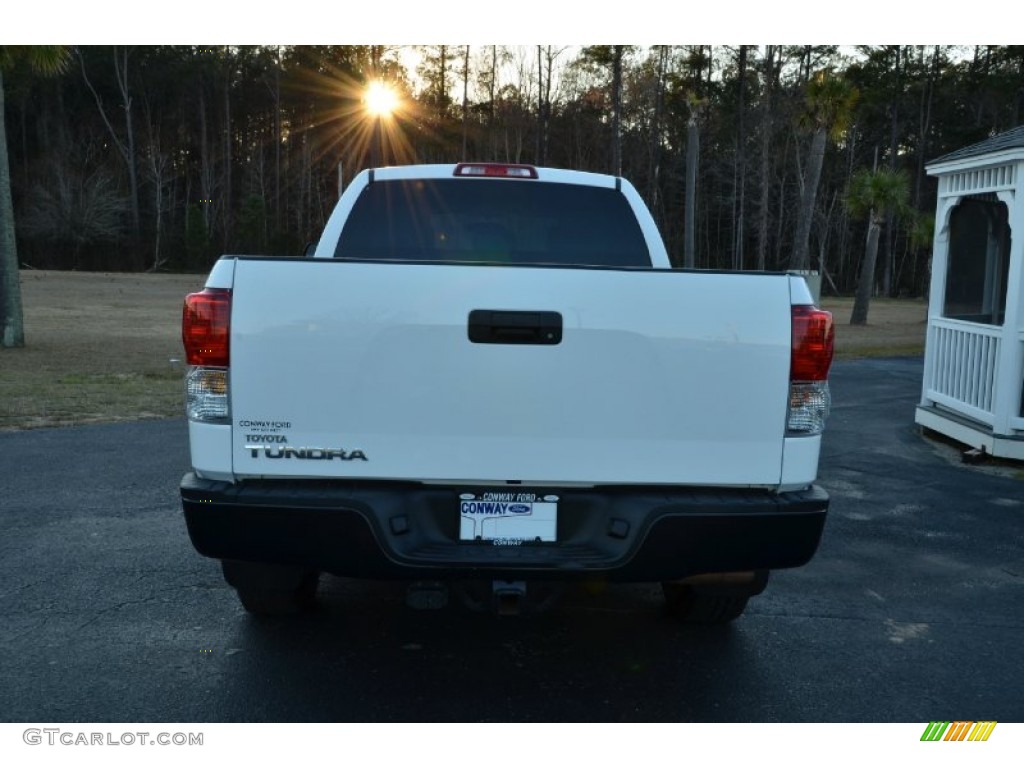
point(164, 157)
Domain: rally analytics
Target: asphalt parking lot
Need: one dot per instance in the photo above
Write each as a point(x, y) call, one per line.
point(913, 609)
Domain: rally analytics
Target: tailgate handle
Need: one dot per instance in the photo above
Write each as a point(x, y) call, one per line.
point(497, 326)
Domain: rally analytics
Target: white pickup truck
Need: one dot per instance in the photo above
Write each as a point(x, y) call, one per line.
point(490, 373)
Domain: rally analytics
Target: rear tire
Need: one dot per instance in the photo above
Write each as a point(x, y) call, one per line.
point(684, 603)
point(272, 590)
point(713, 600)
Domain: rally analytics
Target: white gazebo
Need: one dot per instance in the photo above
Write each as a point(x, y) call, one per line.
point(973, 386)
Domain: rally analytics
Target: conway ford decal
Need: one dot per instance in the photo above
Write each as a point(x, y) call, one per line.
point(288, 452)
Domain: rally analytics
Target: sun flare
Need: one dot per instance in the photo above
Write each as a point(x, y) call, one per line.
point(365, 122)
point(381, 99)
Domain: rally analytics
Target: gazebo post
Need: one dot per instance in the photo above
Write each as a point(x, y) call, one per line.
point(937, 289)
point(1010, 374)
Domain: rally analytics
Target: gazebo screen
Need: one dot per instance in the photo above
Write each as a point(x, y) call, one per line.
point(979, 263)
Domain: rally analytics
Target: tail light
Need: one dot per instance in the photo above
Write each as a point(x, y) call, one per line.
point(496, 170)
point(813, 341)
point(206, 334)
point(205, 327)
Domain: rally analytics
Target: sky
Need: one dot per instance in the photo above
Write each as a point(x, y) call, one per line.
point(522, 22)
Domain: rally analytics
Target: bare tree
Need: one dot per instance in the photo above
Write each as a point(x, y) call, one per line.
point(894, 106)
point(925, 119)
point(546, 56)
point(125, 146)
point(617, 109)
point(692, 161)
point(205, 163)
point(538, 150)
point(275, 90)
point(75, 208)
point(465, 102)
point(740, 165)
point(487, 63)
point(654, 152)
point(157, 167)
point(228, 153)
point(771, 74)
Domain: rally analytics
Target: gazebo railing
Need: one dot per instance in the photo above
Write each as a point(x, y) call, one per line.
point(1017, 421)
point(962, 366)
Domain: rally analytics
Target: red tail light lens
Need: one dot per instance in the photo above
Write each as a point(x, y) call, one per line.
point(813, 341)
point(205, 327)
point(496, 170)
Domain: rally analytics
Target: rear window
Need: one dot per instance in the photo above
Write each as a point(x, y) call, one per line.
point(493, 221)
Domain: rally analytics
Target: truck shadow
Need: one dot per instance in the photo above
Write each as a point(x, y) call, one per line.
point(613, 656)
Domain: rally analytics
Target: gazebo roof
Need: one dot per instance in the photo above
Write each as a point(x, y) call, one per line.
point(1010, 140)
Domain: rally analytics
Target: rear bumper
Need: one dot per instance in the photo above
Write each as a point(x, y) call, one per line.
point(398, 530)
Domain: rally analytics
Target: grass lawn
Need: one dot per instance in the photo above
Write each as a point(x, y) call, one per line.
point(895, 327)
point(99, 346)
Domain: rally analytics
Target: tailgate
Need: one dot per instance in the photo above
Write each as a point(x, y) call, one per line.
point(349, 369)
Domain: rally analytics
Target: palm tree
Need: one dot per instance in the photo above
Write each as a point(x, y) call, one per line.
point(827, 112)
point(877, 195)
point(44, 59)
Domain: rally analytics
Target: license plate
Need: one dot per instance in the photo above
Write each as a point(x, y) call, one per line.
point(507, 519)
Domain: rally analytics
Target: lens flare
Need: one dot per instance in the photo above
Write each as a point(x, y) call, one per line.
point(380, 99)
